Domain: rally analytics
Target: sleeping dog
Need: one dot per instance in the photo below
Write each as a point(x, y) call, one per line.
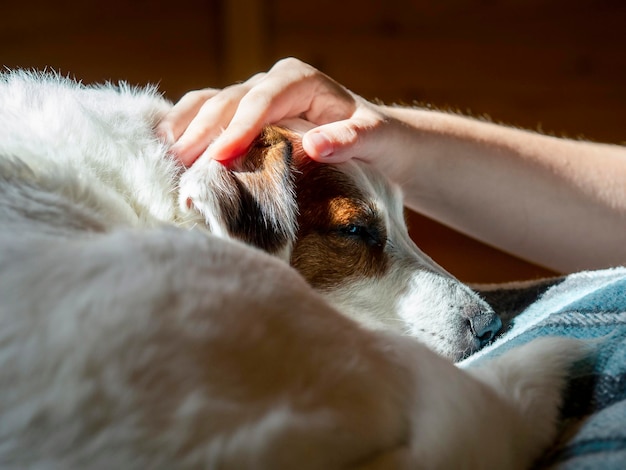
point(342, 228)
point(150, 318)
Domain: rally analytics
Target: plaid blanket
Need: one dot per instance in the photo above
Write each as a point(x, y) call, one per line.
point(589, 305)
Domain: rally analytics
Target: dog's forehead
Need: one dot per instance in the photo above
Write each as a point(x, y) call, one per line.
point(343, 190)
point(385, 195)
point(349, 189)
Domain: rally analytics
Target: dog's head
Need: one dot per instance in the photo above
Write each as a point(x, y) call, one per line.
point(343, 228)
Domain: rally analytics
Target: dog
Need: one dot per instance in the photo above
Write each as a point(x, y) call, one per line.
point(345, 232)
point(150, 318)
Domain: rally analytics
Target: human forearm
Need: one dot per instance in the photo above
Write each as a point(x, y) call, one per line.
point(553, 201)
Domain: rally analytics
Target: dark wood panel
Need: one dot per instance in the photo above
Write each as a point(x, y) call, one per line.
point(175, 44)
point(556, 65)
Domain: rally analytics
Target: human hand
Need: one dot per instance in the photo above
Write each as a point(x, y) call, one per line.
point(223, 123)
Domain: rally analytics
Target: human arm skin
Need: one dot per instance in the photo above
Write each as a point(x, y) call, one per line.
point(556, 202)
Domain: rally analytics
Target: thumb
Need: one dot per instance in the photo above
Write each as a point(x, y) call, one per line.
point(338, 141)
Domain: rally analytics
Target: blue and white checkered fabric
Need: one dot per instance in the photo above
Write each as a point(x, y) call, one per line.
point(588, 305)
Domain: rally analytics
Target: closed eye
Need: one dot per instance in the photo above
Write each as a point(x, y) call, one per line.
point(369, 235)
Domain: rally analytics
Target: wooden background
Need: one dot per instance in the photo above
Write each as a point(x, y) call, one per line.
point(558, 66)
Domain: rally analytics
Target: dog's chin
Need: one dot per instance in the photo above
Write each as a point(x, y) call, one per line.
point(464, 349)
point(466, 342)
point(455, 348)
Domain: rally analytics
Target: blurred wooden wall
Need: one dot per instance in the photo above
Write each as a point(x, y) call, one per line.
point(554, 65)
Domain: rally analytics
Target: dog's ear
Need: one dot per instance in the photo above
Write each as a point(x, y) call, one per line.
point(251, 198)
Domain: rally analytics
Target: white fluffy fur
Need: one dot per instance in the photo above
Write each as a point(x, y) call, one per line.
point(127, 341)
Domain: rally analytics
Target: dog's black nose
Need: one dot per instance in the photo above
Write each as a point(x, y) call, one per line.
point(485, 326)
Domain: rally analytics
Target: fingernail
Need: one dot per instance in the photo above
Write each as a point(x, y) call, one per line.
point(175, 148)
point(322, 144)
point(225, 149)
point(165, 134)
point(182, 154)
point(227, 156)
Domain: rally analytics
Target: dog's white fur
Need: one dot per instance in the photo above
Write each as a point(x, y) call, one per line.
point(128, 340)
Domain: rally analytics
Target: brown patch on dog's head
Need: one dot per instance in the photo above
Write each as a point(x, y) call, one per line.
point(256, 194)
point(276, 197)
point(340, 233)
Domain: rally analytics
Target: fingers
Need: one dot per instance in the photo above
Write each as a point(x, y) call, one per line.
point(182, 113)
point(223, 123)
point(201, 116)
point(290, 89)
point(206, 125)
